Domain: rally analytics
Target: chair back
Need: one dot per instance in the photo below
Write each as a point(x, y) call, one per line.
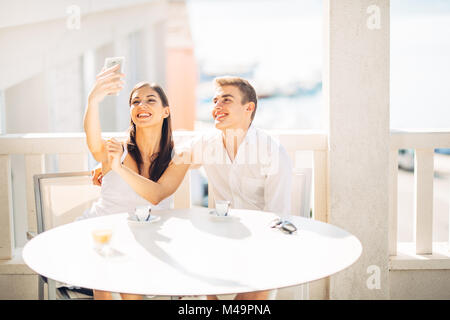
point(301, 206)
point(301, 192)
point(62, 197)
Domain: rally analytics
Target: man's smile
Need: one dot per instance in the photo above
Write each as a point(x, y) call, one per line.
point(219, 116)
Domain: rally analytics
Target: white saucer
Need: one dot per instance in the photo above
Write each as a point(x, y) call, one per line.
point(152, 219)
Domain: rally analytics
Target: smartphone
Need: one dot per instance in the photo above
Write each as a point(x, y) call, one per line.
point(112, 61)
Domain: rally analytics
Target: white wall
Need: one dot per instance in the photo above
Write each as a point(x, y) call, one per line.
point(27, 50)
point(20, 12)
point(27, 106)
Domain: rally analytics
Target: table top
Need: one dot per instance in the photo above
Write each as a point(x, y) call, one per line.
point(189, 252)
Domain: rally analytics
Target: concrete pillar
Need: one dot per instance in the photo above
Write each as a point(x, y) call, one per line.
point(181, 68)
point(356, 90)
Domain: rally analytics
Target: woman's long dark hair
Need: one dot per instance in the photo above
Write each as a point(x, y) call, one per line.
point(160, 161)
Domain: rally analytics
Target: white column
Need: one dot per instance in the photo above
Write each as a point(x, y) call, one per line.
point(356, 91)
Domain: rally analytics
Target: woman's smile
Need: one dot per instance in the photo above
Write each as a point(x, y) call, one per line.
point(144, 115)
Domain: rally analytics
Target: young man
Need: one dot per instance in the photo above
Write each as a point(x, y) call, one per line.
point(244, 165)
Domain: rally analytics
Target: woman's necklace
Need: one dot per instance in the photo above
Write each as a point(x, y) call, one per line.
point(152, 158)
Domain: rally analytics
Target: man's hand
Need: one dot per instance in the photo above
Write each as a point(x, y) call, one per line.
point(97, 176)
point(115, 150)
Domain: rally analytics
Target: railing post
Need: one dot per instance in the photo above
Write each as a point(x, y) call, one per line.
point(320, 185)
point(393, 215)
point(423, 206)
point(6, 209)
point(211, 201)
point(319, 290)
point(34, 164)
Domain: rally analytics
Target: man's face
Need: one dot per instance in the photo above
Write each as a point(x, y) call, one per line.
point(228, 111)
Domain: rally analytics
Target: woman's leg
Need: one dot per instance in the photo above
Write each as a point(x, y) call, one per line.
point(102, 295)
point(106, 295)
point(127, 296)
point(256, 295)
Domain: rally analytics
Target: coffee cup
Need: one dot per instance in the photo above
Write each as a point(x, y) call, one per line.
point(143, 212)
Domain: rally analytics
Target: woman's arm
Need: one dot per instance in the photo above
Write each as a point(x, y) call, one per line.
point(154, 192)
point(107, 82)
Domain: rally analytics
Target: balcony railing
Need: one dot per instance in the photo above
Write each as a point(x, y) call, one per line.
point(422, 253)
point(72, 155)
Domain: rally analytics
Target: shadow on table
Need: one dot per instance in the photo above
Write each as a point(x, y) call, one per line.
point(319, 227)
point(218, 226)
point(149, 241)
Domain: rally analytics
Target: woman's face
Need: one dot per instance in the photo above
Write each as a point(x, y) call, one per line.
point(146, 108)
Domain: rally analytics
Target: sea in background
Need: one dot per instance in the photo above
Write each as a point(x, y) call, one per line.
point(278, 46)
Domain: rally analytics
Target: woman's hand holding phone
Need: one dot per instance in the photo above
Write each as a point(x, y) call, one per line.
point(108, 81)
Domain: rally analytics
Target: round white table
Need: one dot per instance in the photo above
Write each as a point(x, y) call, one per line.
point(188, 252)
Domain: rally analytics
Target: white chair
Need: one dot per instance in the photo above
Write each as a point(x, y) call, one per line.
point(301, 200)
point(60, 199)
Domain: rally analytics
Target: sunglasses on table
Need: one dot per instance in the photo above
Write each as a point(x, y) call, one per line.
point(283, 225)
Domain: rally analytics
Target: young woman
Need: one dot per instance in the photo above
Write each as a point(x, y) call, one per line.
point(147, 153)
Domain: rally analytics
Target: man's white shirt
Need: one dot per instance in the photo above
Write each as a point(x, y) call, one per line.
point(259, 177)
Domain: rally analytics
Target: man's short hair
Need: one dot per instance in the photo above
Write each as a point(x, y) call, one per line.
point(247, 91)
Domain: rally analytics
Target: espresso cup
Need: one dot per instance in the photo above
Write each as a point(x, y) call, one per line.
point(222, 207)
point(143, 212)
